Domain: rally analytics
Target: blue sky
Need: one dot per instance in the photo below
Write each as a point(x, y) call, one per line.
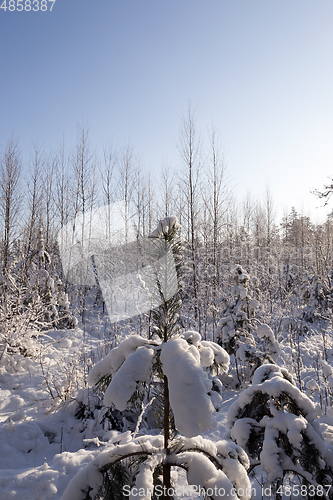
point(260, 70)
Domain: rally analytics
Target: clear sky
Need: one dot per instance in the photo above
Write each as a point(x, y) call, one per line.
point(260, 70)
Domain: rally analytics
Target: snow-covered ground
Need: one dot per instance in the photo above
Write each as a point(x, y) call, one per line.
point(41, 445)
point(44, 443)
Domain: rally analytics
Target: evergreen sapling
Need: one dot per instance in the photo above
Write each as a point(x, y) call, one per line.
point(170, 362)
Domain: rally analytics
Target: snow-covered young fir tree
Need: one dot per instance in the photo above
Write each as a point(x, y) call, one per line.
point(239, 331)
point(317, 295)
point(174, 366)
point(277, 425)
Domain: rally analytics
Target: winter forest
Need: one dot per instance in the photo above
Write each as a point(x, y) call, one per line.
point(158, 337)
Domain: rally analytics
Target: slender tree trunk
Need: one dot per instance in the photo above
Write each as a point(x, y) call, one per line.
point(36, 196)
point(166, 428)
point(9, 198)
point(189, 148)
point(166, 466)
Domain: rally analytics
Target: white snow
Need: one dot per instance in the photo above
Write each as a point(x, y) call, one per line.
point(165, 226)
point(91, 476)
point(241, 429)
point(188, 387)
point(327, 369)
point(221, 357)
point(270, 455)
point(202, 473)
point(112, 362)
point(136, 368)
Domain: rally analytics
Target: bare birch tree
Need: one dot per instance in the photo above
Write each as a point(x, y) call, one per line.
point(108, 178)
point(189, 148)
point(167, 204)
point(216, 201)
point(62, 195)
point(35, 197)
point(10, 198)
point(49, 201)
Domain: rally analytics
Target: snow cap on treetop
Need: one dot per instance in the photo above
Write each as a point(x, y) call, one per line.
point(165, 227)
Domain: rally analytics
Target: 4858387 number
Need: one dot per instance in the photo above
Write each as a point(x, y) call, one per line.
point(27, 5)
point(308, 491)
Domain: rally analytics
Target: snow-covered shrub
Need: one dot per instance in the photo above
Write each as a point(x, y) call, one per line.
point(277, 426)
point(289, 275)
point(19, 323)
point(266, 334)
point(317, 295)
point(238, 329)
point(65, 317)
point(174, 366)
point(234, 328)
point(319, 383)
point(31, 301)
point(63, 375)
point(44, 292)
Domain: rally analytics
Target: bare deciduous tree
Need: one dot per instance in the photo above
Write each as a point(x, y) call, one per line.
point(10, 198)
point(49, 202)
point(35, 196)
point(189, 148)
point(216, 200)
point(167, 203)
